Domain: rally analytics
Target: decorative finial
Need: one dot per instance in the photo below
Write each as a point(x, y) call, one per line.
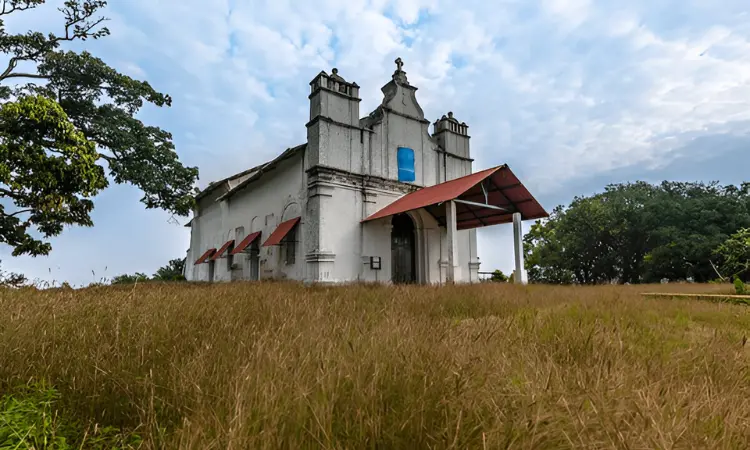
point(399, 64)
point(334, 71)
point(450, 114)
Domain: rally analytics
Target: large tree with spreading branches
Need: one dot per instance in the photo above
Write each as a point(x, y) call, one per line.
point(67, 120)
point(640, 232)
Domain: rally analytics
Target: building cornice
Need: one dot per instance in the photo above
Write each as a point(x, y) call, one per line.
point(319, 174)
point(317, 119)
point(453, 155)
point(334, 92)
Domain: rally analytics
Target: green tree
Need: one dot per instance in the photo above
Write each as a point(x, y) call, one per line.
point(498, 277)
point(687, 222)
point(637, 232)
point(130, 279)
point(543, 252)
point(68, 125)
point(734, 255)
point(172, 271)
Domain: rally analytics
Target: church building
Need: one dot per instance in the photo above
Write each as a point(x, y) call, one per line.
point(377, 199)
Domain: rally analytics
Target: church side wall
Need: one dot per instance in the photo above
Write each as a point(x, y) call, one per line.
point(262, 206)
point(206, 233)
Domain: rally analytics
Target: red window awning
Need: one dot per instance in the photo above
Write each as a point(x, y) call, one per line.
point(280, 232)
point(497, 187)
point(205, 256)
point(221, 251)
point(249, 239)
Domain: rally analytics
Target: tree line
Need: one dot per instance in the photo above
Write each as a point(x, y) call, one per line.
point(644, 233)
point(172, 271)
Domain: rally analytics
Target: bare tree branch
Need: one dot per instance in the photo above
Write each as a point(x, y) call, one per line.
point(20, 212)
point(74, 19)
point(24, 75)
point(7, 193)
point(11, 65)
point(717, 271)
point(14, 7)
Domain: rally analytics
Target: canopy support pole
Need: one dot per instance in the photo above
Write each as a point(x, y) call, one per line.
point(481, 205)
point(450, 225)
point(519, 276)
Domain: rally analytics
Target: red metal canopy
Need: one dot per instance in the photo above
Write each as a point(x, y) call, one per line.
point(249, 239)
point(205, 256)
point(221, 251)
point(497, 187)
point(280, 232)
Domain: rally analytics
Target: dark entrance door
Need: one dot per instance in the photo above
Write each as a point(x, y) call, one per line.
point(254, 261)
point(403, 250)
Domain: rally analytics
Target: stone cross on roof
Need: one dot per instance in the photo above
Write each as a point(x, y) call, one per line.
point(399, 75)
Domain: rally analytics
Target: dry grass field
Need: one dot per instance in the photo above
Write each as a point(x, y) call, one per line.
point(245, 366)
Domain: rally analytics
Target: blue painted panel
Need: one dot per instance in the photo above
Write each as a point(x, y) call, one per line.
point(405, 158)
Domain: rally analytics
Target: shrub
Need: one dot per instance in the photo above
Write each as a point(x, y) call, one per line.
point(739, 286)
point(29, 420)
point(499, 276)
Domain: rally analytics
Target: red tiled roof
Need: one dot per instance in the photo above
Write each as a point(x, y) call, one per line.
point(205, 256)
point(503, 190)
point(280, 232)
point(249, 239)
point(221, 251)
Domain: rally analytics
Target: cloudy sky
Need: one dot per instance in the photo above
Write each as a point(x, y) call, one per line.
point(572, 94)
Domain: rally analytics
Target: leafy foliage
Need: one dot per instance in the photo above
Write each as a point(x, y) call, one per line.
point(171, 272)
point(72, 121)
point(12, 280)
point(637, 232)
point(739, 286)
point(498, 276)
point(130, 279)
point(735, 255)
point(29, 419)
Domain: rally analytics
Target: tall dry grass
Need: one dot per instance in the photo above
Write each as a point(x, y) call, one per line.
point(492, 366)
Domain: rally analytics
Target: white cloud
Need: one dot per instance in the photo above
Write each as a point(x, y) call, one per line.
point(562, 90)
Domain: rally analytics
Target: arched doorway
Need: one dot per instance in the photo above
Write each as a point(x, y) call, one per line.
point(403, 250)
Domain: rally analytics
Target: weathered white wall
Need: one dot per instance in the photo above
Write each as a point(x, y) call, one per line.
point(260, 206)
point(206, 233)
point(263, 205)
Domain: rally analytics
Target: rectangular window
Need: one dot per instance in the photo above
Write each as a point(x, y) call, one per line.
point(290, 246)
point(405, 159)
point(230, 257)
point(239, 235)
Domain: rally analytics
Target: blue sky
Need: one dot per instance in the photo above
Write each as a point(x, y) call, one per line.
point(572, 94)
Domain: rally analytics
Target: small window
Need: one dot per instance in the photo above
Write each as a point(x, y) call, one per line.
point(290, 246)
point(230, 257)
point(405, 159)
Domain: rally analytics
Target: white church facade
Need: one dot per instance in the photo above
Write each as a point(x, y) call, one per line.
point(374, 199)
